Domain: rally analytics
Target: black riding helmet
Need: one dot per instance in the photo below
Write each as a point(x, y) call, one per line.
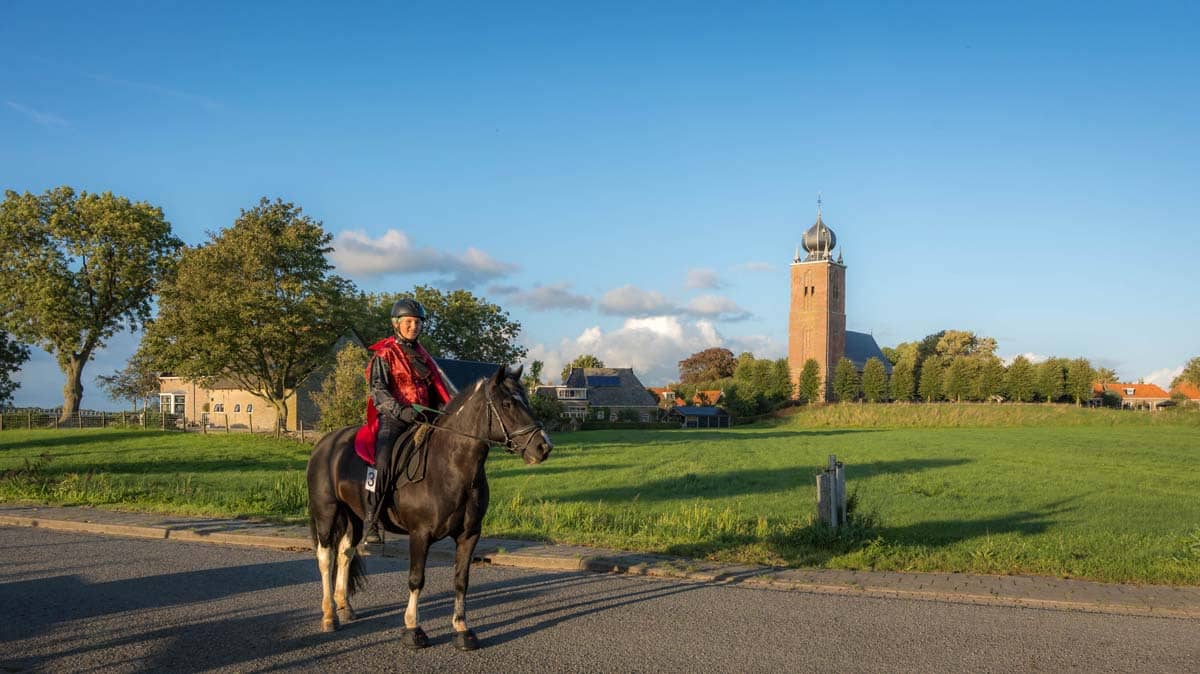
point(408, 307)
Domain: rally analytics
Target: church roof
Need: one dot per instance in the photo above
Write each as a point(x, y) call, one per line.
point(861, 347)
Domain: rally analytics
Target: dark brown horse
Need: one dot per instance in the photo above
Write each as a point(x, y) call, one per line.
point(448, 497)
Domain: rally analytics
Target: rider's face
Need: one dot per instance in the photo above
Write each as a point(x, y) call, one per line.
point(408, 327)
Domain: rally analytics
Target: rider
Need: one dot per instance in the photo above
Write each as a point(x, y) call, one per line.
point(401, 374)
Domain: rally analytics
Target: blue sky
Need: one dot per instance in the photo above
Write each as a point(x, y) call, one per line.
point(632, 180)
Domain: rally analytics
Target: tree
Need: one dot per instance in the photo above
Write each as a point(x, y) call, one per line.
point(1107, 376)
point(779, 386)
point(1080, 380)
point(929, 386)
point(874, 381)
point(956, 382)
point(846, 385)
point(77, 267)
point(586, 360)
point(546, 408)
point(707, 365)
point(902, 381)
point(136, 382)
point(533, 378)
point(1190, 374)
point(13, 354)
point(988, 377)
point(1051, 380)
point(459, 325)
point(342, 397)
point(809, 387)
point(256, 303)
point(1021, 380)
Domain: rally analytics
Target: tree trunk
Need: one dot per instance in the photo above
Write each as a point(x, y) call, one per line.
point(281, 414)
point(73, 390)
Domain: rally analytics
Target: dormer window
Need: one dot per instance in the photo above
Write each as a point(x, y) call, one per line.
point(1130, 391)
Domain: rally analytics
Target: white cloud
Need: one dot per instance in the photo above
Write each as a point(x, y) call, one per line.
point(544, 298)
point(38, 117)
point(630, 300)
point(1029, 356)
point(716, 306)
point(652, 346)
point(1163, 376)
point(755, 266)
point(355, 253)
point(703, 279)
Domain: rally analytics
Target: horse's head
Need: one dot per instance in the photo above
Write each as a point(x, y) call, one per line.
point(511, 422)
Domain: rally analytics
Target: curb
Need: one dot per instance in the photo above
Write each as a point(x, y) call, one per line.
point(569, 558)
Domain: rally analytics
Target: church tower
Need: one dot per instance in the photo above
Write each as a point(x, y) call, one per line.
point(817, 321)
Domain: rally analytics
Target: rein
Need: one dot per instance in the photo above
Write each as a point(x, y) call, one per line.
point(509, 437)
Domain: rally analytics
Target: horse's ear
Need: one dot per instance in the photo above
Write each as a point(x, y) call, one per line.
point(501, 373)
point(516, 374)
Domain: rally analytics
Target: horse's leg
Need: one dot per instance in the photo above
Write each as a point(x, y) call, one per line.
point(464, 552)
point(418, 548)
point(324, 552)
point(345, 555)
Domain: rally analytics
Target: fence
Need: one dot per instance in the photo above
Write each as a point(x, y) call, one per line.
point(147, 419)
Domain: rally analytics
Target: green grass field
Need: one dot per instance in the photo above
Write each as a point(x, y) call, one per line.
point(1047, 490)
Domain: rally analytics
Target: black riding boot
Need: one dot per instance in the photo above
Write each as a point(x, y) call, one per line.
point(375, 500)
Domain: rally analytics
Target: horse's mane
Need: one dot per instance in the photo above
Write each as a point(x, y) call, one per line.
point(462, 397)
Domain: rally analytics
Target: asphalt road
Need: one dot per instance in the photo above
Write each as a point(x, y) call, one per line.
point(77, 602)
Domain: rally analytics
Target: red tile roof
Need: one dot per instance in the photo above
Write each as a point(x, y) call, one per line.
point(1188, 389)
point(1139, 390)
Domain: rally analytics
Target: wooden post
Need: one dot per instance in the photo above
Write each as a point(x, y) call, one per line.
point(226, 423)
point(29, 420)
point(124, 423)
point(250, 422)
point(79, 418)
point(56, 423)
point(824, 498)
point(163, 420)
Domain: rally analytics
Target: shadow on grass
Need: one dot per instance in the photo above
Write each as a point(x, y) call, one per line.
point(815, 544)
point(70, 439)
point(586, 439)
point(739, 482)
point(514, 468)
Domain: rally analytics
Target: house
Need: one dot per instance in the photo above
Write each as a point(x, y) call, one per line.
point(1134, 396)
point(1188, 390)
point(668, 398)
point(701, 416)
point(225, 404)
point(602, 393)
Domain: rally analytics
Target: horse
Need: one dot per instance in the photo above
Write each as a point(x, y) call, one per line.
point(449, 497)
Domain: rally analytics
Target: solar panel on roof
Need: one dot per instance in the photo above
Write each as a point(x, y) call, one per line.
point(603, 380)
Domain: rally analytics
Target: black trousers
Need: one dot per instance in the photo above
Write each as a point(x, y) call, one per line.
point(389, 430)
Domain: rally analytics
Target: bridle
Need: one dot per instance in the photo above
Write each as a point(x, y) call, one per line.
point(510, 437)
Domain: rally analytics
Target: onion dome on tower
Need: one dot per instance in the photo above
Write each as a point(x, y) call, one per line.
point(819, 241)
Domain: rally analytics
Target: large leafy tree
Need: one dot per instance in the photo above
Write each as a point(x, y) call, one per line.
point(929, 383)
point(460, 325)
point(956, 382)
point(846, 384)
point(136, 382)
point(1079, 380)
point(342, 397)
point(256, 303)
point(77, 267)
point(1109, 376)
point(809, 387)
point(13, 354)
point(707, 365)
point(1190, 374)
point(1051, 379)
point(902, 382)
point(1021, 380)
point(585, 360)
point(874, 381)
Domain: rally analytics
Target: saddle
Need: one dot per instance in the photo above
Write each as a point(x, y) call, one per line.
point(408, 460)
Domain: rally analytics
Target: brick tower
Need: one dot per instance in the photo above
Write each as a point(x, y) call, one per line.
point(817, 321)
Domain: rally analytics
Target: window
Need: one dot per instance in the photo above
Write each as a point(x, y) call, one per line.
point(600, 415)
point(1129, 391)
point(179, 403)
point(237, 408)
point(645, 417)
point(249, 408)
point(218, 407)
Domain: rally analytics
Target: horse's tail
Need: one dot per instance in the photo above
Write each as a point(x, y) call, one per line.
point(339, 522)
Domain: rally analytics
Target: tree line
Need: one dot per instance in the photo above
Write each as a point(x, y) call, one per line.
point(257, 303)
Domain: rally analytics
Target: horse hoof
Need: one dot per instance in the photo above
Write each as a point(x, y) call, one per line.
point(345, 615)
point(414, 639)
point(466, 641)
point(328, 625)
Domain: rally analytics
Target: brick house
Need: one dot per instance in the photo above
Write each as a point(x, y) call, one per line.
point(1189, 391)
point(1133, 396)
point(226, 405)
point(601, 393)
